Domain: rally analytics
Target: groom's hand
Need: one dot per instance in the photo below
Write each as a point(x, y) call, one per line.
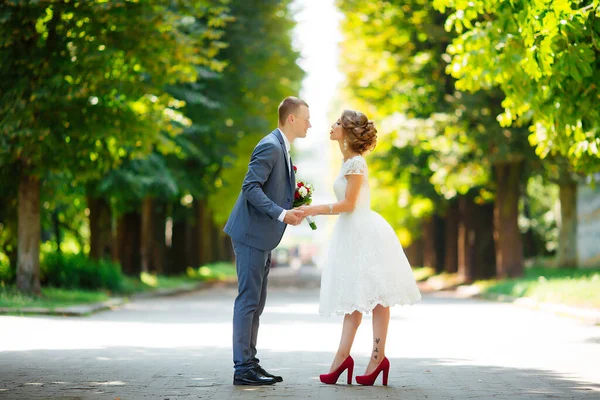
point(293, 217)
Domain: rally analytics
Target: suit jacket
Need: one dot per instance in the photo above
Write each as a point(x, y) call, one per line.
point(267, 190)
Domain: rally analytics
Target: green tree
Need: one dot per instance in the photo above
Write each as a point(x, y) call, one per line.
point(448, 140)
point(261, 71)
point(230, 105)
point(82, 86)
point(544, 57)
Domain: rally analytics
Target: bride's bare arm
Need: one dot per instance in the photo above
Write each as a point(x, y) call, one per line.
point(345, 205)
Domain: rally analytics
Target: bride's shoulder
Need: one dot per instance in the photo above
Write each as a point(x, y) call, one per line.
point(355, 165)
point(356, 158)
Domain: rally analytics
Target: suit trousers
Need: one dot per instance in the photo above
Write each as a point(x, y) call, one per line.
point(252, 266)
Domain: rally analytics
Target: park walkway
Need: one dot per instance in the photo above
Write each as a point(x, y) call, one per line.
point(179, 348)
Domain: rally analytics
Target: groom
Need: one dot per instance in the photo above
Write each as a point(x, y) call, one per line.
point(256, 225)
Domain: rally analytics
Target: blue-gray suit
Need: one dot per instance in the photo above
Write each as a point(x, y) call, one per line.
point(254, 229)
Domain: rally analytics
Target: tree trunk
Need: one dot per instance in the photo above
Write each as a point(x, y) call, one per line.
point(205, 233)
point(429, 245)
point(216, 240)
point(485, 258)
point(182, 249)
point(530, 247)
point(451, 242)
point(177, 253)
point(509, 244)
point(466, 240)
point(414, 253)
point(101, 235)
point(475, 240)
point(146, 234)
point(440, 242)
point(28, 267)
point(222, 244)
point(56, 228)
point(193, 238)
point(566, 256)
point(127, 251)
point(159, 216)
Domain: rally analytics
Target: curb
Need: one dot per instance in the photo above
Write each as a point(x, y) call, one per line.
point(81, 310)
point(71, 311)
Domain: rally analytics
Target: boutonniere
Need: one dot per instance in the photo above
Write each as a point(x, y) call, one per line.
point(295, 168)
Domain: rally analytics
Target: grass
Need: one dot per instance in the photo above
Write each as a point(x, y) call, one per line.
point(213, 272)
point(579, 287)
point(423, 273)
point(52, 298)
point(148, 282)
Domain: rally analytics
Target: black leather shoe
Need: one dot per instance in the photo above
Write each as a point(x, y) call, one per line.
point(265, 373)
point(252, 377)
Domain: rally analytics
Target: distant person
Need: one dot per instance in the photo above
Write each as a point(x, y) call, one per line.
point(256, 225)
point(366, 269)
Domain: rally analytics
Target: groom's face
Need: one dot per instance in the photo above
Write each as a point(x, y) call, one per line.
point(302, 122)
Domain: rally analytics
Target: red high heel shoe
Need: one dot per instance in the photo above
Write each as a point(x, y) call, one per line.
point(369, 380)
point(332, 378)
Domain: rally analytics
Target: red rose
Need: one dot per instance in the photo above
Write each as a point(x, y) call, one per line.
point(295, 168)
point(296, 195)
point(300, 184)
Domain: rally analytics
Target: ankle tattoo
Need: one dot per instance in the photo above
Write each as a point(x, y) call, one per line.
point(376, 351)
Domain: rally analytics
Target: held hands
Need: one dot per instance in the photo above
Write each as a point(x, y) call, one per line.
point(307, 211)
point(293, 217)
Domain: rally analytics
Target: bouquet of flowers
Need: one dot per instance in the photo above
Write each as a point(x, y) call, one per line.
point(303, 196)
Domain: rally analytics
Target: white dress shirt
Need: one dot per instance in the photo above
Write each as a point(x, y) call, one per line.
point(289, 164)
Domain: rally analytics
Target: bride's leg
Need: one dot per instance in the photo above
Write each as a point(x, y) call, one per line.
point(351, 324)
point(381, 321)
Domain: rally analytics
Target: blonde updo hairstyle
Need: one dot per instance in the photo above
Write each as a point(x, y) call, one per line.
point(361, 134)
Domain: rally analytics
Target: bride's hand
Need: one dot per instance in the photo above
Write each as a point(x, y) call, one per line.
point(306, 210)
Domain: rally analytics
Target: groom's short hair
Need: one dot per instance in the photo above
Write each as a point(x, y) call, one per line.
point(288, 106)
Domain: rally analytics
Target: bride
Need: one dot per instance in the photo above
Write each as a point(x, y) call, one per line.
point(367, 270)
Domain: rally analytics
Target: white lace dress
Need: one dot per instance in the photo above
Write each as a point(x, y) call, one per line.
point(366, 264)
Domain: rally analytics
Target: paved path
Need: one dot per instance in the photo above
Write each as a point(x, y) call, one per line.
point(179, 348)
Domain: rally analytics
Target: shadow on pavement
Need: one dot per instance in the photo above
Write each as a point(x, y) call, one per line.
point(206, 372)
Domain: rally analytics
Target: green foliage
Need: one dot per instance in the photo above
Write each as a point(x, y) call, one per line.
point(261, 71)
point(136, 179)
point(172, 169)
point(63, 211)
point(435, 142)
point(541, 218)
point(7, 272)
point(544, 55)
point(83, 81)
point(226, 110)
point(8, 212)
point(76, 271)
point(395, 75)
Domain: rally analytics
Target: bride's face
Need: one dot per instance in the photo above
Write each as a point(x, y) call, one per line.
point(336, 132)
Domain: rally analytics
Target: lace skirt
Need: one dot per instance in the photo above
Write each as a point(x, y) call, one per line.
point(365, 266)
